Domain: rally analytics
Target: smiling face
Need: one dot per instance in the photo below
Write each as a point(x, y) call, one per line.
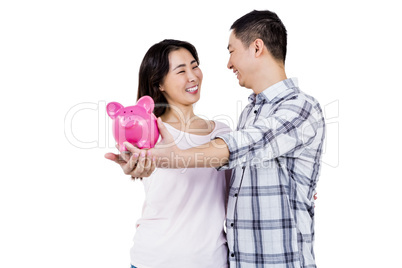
point(241, 61)
point(182, 83)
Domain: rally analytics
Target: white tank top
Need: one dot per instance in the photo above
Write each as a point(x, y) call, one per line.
point(183, 214)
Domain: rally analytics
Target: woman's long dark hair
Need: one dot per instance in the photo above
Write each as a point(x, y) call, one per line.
point(154, 68)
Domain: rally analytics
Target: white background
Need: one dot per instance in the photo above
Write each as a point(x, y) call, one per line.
point(62, 205)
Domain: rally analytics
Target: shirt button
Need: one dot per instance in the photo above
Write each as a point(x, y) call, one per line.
point(232, 254)
point(235, 195)
point(255, 111)
point(232, 224)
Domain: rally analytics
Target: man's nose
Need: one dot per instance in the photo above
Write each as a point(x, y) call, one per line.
point(230, 66)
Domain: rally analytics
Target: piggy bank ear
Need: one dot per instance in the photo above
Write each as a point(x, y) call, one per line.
point(113, 108)
point(147, 102)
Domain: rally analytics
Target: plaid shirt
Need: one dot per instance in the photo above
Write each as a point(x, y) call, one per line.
point(275, 153)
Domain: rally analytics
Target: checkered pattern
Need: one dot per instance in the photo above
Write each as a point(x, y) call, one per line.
point(275, 155)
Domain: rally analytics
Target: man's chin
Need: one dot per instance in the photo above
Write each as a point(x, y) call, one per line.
point(242, 84)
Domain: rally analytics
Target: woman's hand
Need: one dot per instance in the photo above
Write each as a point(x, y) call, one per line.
point(137, 163)
point(165, 154)
point(166, 151)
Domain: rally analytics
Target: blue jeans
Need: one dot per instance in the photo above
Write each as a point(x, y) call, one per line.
point(132, 266)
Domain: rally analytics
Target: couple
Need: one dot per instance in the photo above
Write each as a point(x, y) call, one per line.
point(273, 156)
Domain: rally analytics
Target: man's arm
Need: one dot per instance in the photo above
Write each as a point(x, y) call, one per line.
point(293, 125)
point(210, 155)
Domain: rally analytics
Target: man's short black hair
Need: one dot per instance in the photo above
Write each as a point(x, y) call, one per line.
point(264, 25)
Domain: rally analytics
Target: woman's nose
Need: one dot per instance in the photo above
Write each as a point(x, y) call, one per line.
point(191, 76)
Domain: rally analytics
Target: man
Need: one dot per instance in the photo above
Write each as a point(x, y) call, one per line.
point(275, 152)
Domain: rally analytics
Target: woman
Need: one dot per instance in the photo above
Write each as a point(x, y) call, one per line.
point(184, 209)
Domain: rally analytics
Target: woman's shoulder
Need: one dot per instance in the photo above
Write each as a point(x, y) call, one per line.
point(203, 127)
point(220, 128)
point(200, 126)
point(220, 124)
point(197, 126)
point(212, 127)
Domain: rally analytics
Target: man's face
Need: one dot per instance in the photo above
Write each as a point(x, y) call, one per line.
point(240, 61)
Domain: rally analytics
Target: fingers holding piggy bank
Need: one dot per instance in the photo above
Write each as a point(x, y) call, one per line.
point(134, 124)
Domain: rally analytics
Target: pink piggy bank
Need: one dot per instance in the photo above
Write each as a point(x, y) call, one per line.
point(135, 124)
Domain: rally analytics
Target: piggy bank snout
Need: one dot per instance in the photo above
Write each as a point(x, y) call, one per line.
point(128, 121)
point(130, 124)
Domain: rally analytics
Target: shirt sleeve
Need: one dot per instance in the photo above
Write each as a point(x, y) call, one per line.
point(291, 127)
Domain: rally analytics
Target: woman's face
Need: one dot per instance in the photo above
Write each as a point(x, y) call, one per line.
point(182, 84)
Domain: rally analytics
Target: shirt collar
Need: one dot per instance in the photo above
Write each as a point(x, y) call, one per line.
point(275, 91)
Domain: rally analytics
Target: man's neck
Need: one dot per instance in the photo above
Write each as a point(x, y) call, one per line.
point(267, 77)
point(264, 84)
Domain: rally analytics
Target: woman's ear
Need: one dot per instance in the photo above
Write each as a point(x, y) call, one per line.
point(161, 88)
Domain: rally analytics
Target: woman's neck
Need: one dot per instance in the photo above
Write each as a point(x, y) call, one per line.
point(182, 116)
point(185, 120)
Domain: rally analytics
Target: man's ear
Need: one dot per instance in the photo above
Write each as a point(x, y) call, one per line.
point(258, 46)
